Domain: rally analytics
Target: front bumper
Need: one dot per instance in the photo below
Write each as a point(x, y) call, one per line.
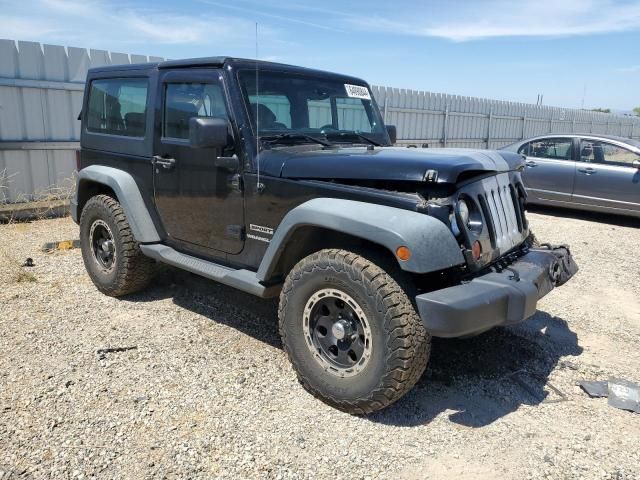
point(502, 297)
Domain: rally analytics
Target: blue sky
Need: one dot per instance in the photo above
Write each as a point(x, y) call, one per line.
point(509, 50)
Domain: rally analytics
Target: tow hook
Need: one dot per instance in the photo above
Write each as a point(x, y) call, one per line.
point(564, 267)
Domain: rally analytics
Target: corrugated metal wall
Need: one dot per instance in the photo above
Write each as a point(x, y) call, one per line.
point(41, 90)
point(442, 120)
point(41, 93)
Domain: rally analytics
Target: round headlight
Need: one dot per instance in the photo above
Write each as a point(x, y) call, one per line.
point(463, 211)
point(470, 216)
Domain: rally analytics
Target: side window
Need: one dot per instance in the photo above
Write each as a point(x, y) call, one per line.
point(182, 101)
point(554, 148)
point(118, 106)
point(602, 152)
point(273, 111)
point(352, 115)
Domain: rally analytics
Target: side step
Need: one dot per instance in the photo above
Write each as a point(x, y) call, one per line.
point(244, 280)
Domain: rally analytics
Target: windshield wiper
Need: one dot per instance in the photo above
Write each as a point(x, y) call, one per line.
point(283, 137)
point(354, 134)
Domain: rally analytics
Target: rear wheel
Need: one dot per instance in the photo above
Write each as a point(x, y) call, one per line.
point(111, 254)
point(351, 332)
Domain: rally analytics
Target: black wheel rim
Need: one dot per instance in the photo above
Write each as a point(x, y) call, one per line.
point(102, 244)
point(337, 332)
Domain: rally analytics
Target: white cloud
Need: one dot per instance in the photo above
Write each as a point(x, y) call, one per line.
point(107, 24)
point(257, 11)
point(465, 21)
point(170, 29)
point(456, 20)
point(15, 26)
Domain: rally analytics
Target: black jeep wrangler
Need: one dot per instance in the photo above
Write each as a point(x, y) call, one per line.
point(280, 180)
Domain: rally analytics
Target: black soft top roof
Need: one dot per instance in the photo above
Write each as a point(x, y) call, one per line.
point(215, 62)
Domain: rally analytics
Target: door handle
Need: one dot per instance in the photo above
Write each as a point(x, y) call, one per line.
point(531, 163)
point(167, 163)
point(588, 170)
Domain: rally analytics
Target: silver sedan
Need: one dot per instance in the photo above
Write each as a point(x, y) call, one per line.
point(589, 172)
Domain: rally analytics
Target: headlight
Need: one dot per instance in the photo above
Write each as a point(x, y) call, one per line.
point(470, 216)
point(463, 211)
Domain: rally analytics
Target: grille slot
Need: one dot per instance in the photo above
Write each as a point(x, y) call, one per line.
point(518, 210)
point(498, 201)
point(482, 199)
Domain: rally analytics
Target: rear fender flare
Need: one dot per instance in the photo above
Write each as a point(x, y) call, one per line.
point(127, 193)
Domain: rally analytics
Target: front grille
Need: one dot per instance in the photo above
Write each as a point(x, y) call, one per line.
point(502, 209)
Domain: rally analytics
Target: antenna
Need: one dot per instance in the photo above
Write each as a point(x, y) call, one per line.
point(258, 185)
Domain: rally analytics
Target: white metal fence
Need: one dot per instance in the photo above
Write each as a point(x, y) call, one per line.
point(442, 120)
point(41, 90)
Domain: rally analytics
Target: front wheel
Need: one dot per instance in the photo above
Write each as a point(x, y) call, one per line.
point(350, 331)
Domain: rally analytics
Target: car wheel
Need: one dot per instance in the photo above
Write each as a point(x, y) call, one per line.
point(351, 332)
point(111, 254)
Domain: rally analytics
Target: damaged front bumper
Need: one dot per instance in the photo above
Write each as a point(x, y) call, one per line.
point(502, 297)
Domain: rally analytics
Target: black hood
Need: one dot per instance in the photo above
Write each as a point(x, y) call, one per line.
point(385, 163)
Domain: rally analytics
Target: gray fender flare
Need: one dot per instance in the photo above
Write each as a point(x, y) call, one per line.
point(129, 196)
point(432, 244)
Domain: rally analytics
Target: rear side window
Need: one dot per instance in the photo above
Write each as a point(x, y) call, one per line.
point(118, 106)
point(602, 152)
point(554, 148)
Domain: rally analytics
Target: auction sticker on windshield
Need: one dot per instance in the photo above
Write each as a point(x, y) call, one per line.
point(357, 91)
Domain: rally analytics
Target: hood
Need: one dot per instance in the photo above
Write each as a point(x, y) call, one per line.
point(385, 163)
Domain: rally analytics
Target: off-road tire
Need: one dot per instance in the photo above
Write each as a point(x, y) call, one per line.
point(132, 271)
point(400, 344)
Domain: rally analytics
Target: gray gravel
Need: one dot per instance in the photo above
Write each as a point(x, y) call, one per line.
point(208, 393)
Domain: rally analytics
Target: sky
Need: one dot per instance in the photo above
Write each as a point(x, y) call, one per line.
point(573, 52)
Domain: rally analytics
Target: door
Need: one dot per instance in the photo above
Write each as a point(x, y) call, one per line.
point(607, 176)
point(198, 203)
point(549, 169)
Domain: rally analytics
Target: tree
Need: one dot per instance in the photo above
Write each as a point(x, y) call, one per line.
point(637, 111)
point(601, 110)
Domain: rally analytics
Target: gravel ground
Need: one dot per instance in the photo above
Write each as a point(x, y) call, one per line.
point(206, 391)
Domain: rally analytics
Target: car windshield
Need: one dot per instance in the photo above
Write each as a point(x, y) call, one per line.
point(296, 108)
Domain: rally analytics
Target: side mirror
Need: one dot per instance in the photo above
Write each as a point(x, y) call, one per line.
point(206, 132)
point(636, 164)
point(393, 133)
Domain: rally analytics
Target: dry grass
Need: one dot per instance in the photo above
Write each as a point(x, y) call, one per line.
point(11, 269)
point(4, 186)
point(42, 204)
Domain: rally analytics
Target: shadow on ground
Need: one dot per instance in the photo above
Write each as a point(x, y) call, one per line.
point(241, 311)
point(477, 380)
point(484, 378)
point(598, 217)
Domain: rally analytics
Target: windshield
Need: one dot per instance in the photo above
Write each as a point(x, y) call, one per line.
point(292, 107)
